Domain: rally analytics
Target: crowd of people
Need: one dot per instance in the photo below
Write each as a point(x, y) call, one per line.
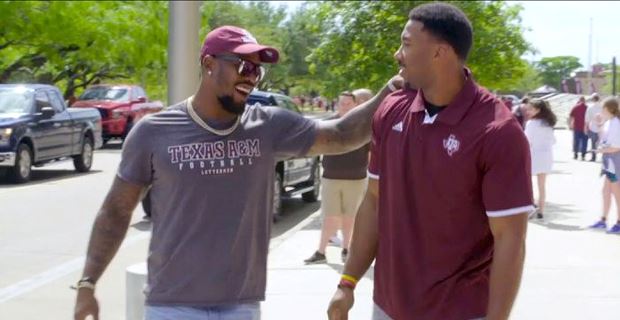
point(595, 125)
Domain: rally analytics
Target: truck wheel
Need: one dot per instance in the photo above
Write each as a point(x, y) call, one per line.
point(22, 169)
point(277, 197)
point(128, 128)
point(146, 205)
point(313, 196)
point(84, 160)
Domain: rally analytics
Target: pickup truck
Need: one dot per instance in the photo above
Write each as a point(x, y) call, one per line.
point(37, 128)
point(296, 175)
point(120, 106)
point(291, 177)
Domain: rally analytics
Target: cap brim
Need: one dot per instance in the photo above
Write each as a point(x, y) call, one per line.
point(266, 54)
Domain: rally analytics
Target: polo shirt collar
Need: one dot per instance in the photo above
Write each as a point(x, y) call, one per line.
point(456, 110)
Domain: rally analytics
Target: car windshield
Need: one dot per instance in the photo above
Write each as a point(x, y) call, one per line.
point(105, 93)
point(15, 101)
point(262, 101)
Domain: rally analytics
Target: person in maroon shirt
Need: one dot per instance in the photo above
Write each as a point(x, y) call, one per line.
point(577, 123)
point(445, 214)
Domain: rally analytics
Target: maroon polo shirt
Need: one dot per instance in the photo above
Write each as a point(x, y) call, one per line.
point(579, 115)
point(440, 179)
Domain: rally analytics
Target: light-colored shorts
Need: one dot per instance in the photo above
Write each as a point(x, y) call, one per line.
point(248, 311)
point(342, 197)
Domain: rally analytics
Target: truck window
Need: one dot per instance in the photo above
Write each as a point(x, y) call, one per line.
point(41, 100)
point(15, 101)
point(285, 103)
point(57, 103)
point(140, 92)
point(105, 93)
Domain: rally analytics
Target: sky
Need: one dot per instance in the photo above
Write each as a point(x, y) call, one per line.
point(563, 27)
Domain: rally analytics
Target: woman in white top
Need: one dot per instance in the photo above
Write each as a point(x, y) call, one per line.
point(539, 132)
point(610, 148)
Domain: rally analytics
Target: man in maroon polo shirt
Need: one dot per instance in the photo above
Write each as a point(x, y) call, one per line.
point(445, 214)
point(577, 122)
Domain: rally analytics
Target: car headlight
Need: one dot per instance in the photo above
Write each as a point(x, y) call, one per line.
point(116, 114)
point(5, 135)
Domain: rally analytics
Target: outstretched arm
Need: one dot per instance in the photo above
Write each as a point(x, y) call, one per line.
point(353, 129)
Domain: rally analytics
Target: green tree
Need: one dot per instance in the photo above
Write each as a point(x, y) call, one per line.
point(554, 69)
point(361, 38)
point(530, 79)
point(77, 43)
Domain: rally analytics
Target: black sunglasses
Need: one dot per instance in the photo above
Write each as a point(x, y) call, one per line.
point(244, 67)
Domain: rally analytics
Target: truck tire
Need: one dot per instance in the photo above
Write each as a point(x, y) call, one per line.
point(146, 205)
point(128, 128)
point(277, 196)
point(84, 160)
point(22, 170)
point(313, 196)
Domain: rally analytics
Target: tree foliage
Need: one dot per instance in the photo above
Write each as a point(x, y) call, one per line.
point(77, 43)
point(554, 69)
point(326, 47)
point(361, 38)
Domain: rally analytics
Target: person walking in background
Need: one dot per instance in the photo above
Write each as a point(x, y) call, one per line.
point(539, 132)
point(610, 148)
point(576, 122)
point(520, 113)
point(343, 186)
point(594, 123)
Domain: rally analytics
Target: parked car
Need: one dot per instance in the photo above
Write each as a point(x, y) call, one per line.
point(296, 175)
point(291, 177)
point(36, 128)
point(120, 106)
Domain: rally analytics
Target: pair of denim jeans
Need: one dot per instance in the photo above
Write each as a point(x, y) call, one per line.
point(248, 311)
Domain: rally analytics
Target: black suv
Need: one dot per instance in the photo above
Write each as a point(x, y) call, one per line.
point(293, 176)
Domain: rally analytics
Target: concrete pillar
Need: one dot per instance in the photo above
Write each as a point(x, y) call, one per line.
point(183, 49)
point(135, 278)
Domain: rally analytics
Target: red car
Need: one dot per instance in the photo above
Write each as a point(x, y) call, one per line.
point(120, 106)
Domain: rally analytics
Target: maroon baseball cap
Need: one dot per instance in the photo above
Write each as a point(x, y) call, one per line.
point(230, 39)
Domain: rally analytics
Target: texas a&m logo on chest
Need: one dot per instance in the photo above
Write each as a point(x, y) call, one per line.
point(451, 145)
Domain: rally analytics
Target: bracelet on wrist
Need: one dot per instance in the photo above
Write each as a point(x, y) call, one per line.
point(86, 282)
point(347, 281)
point(346, 284)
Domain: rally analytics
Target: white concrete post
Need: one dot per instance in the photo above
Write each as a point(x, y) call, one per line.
point(135, 282)
point(183, 49)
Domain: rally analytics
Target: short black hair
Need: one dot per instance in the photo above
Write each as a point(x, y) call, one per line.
point(448, 23)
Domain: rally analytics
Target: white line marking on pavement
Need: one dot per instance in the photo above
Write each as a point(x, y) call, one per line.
point(43, 278)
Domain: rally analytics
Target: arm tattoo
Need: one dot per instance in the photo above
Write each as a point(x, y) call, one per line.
point(110, 226)
point(349, 132)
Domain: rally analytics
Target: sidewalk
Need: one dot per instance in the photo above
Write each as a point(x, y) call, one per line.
point(570, 272)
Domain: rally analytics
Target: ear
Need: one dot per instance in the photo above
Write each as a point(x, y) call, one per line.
point(442, 50)
point(207, 63)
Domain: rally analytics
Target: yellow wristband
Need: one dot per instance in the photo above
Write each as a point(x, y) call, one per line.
point(349, 278)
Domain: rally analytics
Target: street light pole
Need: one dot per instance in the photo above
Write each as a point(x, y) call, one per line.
point(590, 60)
point(614, 77)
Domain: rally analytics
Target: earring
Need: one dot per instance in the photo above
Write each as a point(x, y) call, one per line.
point(209, 72)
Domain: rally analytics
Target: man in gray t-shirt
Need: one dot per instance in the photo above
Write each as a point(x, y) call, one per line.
point(209, 162)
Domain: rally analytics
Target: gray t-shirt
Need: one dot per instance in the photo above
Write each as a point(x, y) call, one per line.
point(211, 201)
